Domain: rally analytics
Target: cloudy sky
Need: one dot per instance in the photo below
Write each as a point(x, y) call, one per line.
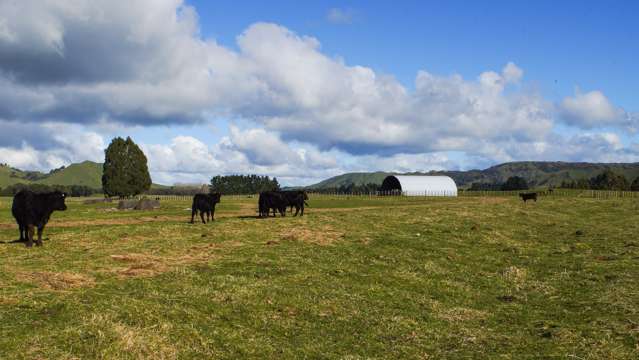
point(308, 90)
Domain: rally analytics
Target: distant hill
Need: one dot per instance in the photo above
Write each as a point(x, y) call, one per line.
point(536, 173)
point(86, 173)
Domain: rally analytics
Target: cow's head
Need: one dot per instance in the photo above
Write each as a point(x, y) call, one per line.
point(305, 195)
point(56, 200)
point(215, 197)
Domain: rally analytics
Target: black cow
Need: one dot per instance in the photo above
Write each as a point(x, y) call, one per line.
point(205, 204)
point(32, 210)
point(272, 200)
point(297, 199)
point(528, 196)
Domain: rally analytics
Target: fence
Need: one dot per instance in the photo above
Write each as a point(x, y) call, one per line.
point(592, 194)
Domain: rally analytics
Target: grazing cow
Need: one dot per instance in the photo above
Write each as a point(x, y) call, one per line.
point(205, 204)
point(296, 199)
point(33, 210)
point(272, 200)
point(528, 196)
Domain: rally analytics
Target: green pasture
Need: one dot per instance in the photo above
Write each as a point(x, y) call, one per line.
point(356, 278)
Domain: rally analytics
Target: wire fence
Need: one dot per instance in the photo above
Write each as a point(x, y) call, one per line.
point(591, 194)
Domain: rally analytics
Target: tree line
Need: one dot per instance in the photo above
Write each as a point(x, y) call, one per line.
point(351, 188)
point(243, 184)
point(606, 180)
point(71, 190)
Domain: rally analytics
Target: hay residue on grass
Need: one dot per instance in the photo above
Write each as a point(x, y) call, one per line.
point(325, 236)
point(56, 280)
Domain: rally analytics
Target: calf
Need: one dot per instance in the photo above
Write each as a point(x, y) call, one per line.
point(33, 210)
point(272, 200)
point(205, 204)
point(528, 196)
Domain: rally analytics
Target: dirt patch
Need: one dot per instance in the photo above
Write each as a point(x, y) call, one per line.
point(325, 236)
point(55, 280)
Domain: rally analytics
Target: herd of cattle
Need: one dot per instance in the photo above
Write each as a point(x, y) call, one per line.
point(33, 210)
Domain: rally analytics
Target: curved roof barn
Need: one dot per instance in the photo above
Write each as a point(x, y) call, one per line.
point(414, 185)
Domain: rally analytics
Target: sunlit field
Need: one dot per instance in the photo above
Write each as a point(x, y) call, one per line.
point(357, 277)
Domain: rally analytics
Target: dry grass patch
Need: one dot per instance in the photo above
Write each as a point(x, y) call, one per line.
point(135, 342)
point(324, 236)
point(144, 265)
point(516, 276)
point(56, 280)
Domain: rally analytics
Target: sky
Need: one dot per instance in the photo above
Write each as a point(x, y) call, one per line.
point(307, 90)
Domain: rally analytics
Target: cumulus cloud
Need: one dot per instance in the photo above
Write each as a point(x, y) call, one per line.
point(145, 63)
point(50, 145)
point(590, 110)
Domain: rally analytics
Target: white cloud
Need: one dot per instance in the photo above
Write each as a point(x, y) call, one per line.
point(590, 110)
point(339, 16)
point(157, 69)
point(512, 73)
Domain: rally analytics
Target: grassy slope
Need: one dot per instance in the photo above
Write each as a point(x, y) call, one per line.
point(386, 278)
point(86, 173)
point(536, 173)
point(6, 178)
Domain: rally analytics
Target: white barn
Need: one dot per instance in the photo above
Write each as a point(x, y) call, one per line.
point(414, 185)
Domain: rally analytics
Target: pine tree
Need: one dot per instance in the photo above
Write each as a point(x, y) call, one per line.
point(125, 171)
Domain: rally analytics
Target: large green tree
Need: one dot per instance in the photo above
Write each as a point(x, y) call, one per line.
point(125, 171)
point(635, 185)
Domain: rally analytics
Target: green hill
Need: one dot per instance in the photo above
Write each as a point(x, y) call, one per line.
point(536, 173)
point(86, 173)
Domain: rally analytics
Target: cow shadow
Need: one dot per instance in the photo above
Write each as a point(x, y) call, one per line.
point(248, 217)
point(18, 241)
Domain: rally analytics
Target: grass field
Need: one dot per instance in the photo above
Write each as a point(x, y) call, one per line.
point(356, 278)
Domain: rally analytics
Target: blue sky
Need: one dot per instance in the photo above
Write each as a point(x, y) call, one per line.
point(307, 90)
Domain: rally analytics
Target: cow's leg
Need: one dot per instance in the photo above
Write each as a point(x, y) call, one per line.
point(23, 232)
point(213, 215)
point(202, 217)
point(302, 208)
point(39, 241)
point(30, 231)
point(193, 211)
point(297, 210)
